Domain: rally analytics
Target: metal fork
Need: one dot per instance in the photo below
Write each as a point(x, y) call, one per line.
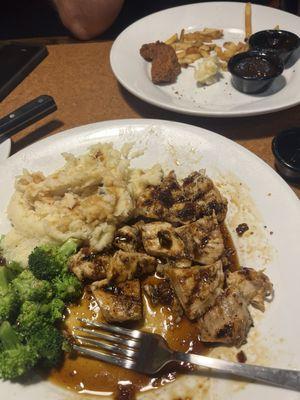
point(148, 353)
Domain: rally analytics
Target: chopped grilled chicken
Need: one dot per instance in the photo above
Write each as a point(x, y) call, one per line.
point(180, 263)
point(185, 212)
point(125, 266)
point(139, 224)
point(203, 240)
point(161, 293)
point(160, 239)
point(182, 204)
point(128, 238)
point(87, 265)
point(199, 188)
point(215, 202)
point(196, 185)
point(176, 213)
point(228, 321)
point(156, 200)
point(171, 185)
point(255, 286)
point(226, 262)
point(164, 264)
point(197, 287)
point(119, 303)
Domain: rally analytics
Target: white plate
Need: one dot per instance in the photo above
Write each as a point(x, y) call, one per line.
point(5, 150)
point(220, 99)
point(275, 338)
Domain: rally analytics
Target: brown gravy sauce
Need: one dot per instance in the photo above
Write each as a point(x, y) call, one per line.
point(87, 376)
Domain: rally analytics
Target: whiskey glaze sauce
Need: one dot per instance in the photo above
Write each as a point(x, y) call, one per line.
point(88, 376)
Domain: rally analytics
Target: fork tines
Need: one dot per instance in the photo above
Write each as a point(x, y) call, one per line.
point(114, 344)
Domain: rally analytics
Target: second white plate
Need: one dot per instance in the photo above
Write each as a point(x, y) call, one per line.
point(220, 99)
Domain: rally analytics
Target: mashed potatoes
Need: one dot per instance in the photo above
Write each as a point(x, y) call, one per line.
point(86, 199)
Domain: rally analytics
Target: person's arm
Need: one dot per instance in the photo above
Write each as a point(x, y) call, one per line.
point(87, 19)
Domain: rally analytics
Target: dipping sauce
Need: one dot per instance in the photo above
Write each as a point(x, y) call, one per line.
point(89, 376)
point(278, 41)
point(255, 67)
point(283, 43)
point(274, 40)
point(255, 70)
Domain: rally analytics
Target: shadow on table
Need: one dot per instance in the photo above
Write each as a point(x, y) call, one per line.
point(241, 128)
point(36, 134)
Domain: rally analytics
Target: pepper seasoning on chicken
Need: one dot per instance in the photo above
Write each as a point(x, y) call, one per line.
point(177, 234)
point(181, 204)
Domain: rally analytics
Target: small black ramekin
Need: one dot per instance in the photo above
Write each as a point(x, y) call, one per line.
point(257, 84)
point(286, 150)
point(283, 42)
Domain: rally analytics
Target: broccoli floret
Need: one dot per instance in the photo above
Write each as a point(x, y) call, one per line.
point(16, 362)
point(14, 269)
point(48, 343)
point(31, 319)
point(67, 346)
point(9, 305)
point(8, 336)
point(67, 287)
point(48, 261)
point(9, 271)
point(9, 299)
point(32, 289)
point(56, 310)
point(15, 358)
point(4, 277)
point(35, 316)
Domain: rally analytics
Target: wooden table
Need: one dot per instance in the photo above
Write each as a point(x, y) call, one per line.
point(80, 79)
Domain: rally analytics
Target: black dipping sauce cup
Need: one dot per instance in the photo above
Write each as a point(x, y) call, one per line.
point(283, 42)
point(286, 150)
point(253, 71)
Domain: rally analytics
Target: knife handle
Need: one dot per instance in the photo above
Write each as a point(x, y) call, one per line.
point(26, 115)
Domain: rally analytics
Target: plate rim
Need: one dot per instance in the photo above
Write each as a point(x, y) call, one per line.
point(118, 123)
point(147, 123)
point(182, 110)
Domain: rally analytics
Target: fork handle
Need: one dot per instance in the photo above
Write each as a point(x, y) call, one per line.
point(285, 378)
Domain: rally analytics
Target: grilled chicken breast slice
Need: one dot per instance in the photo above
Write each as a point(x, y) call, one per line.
point(196, 287)
point(160, 292)
point(255, 286)
point(228, 321)
point(170, 188)
point(165, 264)
point(216, 203)
point(156, 200)
point(119, 303)
point(199, 188)
point(182, 204)
point(161, 240)
point(125, 266)
point(196, 185)
point(203, 240)
point(180, 263)
point(185, 212)
point(128, 238)
point(87, 265)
